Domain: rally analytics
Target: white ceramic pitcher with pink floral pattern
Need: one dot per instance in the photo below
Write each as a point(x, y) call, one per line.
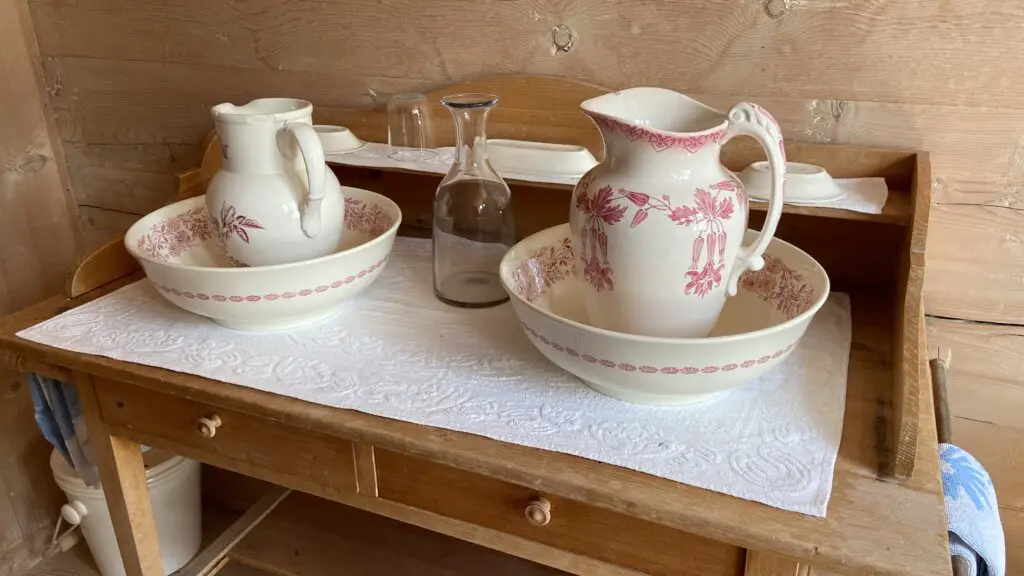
point(274, 199)
point(657, 227)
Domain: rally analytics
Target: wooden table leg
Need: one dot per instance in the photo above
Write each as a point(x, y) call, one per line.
point(123, 475)
point(768, 564)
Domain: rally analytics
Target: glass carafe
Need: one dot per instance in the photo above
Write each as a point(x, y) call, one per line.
point(473, 221)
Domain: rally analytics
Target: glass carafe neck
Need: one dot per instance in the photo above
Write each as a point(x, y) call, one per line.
point(470, 114)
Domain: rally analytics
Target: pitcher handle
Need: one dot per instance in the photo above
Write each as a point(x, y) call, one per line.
point(748, 119)
point(313, 156)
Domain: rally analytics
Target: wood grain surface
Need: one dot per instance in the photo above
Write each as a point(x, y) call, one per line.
point(767, 564)
point(39, 239)
point(574, 526)
point(132, 86)
point(986, 399)
point(878, 51)
point(123, 475)
point(294, 457)
point(38, 236)
point(308, 536)
point(984, 376)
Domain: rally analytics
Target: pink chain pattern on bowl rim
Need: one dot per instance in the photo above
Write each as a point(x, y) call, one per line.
point(646, 369)
point(170, 238)
point(250, 298)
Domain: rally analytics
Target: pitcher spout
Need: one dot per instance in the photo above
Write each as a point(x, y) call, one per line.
point(656, 109)
point(665, 119)
point(263, 110)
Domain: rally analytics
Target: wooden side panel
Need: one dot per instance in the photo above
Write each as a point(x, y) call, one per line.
point(39, 240)
point(1000, 449)
point(986, 398)
point(909, 371)
point(1013, 530)
point(984, 376)
point(976, 262)
point(38, 237)
point(29, 499)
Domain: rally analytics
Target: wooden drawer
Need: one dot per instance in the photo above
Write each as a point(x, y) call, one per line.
point(255, 446)
point(573, 526)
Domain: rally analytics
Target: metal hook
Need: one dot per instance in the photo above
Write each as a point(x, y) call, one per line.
point(776, 13)
point(562, 38)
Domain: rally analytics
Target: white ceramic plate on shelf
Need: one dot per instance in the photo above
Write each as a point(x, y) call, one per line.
point(338, 139)
point(806, 184)
point(540, 158)
point(758, 329)
point(181, 255)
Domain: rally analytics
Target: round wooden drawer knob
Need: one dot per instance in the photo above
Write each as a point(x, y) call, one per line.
point(538, 512)
point(208, 426)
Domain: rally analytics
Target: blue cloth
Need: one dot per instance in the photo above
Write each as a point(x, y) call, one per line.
point(972, 513)
point(59, 416)
point(46, 420)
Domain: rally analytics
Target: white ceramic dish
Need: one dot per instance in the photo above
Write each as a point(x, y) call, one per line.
point(757, 330)
point(805, 183)
point(181, 255)
point(338, 139)
point(522, 157)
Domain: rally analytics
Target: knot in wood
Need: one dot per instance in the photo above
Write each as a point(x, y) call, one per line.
point(776, 9)
point(562, 38)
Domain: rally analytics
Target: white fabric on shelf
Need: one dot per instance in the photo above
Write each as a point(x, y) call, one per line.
point(867, 195)
point(396, 351)
point(375, 155)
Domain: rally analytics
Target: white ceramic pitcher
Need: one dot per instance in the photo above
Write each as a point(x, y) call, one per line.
point(274, 200)
point(657, 227)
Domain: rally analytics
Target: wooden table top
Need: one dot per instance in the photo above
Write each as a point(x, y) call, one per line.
point(874, 524)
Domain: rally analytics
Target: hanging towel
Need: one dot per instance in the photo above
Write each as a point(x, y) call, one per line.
point(59, 417)
point(972, 514)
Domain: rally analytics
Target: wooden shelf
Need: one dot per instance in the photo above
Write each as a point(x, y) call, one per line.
point(306, 535)
point(897, 210)
point(391, 181)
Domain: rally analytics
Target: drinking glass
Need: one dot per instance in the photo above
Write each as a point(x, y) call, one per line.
point(409, 128)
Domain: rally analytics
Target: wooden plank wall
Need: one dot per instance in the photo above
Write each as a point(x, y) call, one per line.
point(131, 84)
point(38, 247)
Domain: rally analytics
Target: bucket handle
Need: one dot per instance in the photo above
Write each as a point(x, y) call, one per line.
point(72, 513)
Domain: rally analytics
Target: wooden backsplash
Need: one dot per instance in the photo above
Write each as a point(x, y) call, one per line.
point(132, 83)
